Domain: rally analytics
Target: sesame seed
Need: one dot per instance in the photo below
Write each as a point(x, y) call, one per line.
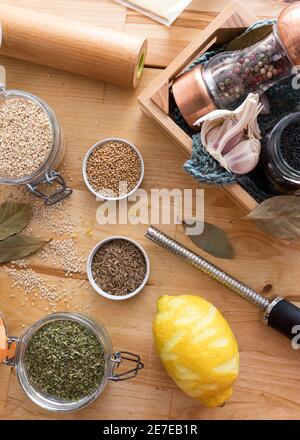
point(69, 258)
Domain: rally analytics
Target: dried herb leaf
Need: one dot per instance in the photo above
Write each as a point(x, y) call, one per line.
point(250, 38)
point(19, 246)
point(278, 216)
point(14, 217)
point(212, 240)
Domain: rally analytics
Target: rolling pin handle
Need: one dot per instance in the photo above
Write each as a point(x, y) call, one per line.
point(283, 316)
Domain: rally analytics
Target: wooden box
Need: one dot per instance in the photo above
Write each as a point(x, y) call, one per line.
point(154, 101)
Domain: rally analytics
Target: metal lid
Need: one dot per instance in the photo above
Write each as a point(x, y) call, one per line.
point(191, 95)
point(288, 28)
point(7, 349)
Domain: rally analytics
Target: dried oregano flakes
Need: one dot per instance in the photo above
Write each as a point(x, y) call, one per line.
point(65, 360)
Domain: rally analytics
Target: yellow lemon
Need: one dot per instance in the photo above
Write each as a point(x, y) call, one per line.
point(196, 347)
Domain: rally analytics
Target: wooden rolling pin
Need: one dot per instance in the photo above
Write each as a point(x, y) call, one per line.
point(84, 49)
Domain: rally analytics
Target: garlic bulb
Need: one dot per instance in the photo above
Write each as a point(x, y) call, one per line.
point(233, 137)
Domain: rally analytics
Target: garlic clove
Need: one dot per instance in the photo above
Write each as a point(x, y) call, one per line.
point(244, 115)
point(233, 137)
point(243, 158)
point(232, 142)
point(214, 136)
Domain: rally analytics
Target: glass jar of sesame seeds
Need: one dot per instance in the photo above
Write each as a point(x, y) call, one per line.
point(31, 145)
point(64, 361)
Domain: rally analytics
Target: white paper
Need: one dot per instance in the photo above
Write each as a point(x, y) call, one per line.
point(163, 11)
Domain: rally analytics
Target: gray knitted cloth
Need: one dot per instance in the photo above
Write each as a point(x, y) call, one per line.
point(283, 99)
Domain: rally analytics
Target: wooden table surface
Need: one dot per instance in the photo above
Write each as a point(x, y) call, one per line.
point(268, 384)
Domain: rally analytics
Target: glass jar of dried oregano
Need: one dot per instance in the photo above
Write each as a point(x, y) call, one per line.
point(64, 361)
point(31, 144)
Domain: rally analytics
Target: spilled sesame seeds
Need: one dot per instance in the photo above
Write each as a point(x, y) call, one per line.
point(34, 286)
point(22, 262)
point(28, 282)
point(69, 258)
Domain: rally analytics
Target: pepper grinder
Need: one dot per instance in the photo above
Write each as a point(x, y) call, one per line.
point(227, 79)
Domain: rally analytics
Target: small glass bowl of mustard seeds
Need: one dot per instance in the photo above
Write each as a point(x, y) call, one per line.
point(113, 169)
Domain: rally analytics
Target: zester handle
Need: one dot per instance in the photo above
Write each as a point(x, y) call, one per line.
point(283, 316)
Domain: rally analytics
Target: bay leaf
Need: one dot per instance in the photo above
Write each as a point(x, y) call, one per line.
point(250, 38)
point(19, 246)
point(278, 216)
point(212, 240)
point(14, 217)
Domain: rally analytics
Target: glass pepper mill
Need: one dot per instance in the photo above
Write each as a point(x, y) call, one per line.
point(227, 79)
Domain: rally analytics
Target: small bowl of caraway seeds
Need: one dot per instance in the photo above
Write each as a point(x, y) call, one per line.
point(113, 169)
point(118, 268)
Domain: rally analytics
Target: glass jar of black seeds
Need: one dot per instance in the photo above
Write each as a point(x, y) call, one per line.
point(282, 166)
point(64, 361)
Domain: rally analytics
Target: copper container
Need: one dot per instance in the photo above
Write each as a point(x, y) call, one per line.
point(288, 29)
point(191, 95)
